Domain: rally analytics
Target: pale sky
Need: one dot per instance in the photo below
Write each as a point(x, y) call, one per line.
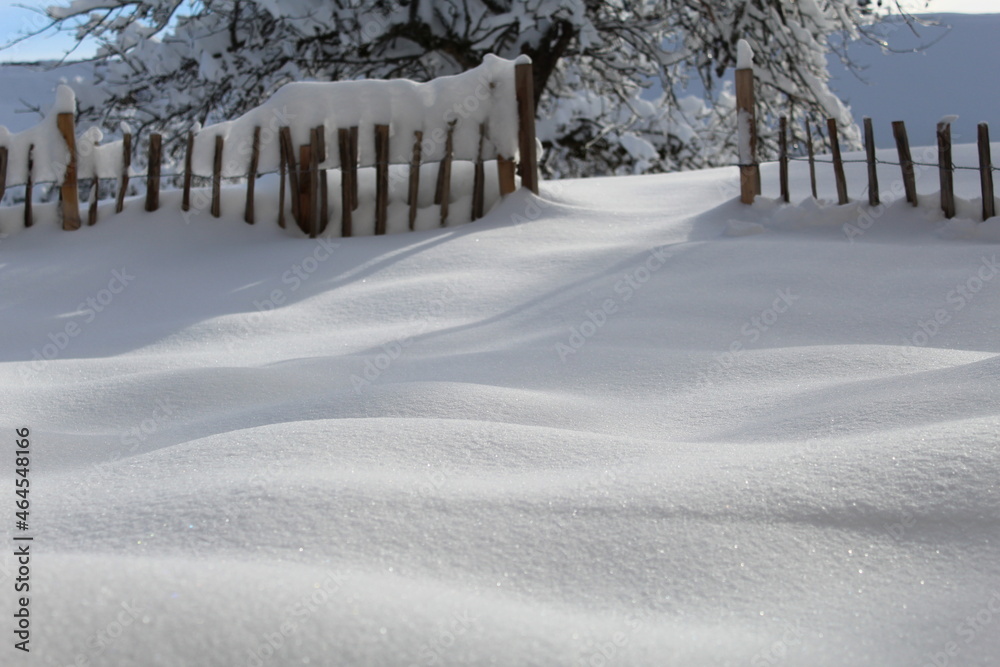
point(16, 20)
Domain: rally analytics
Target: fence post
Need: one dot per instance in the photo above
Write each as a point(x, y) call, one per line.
point(783, 158)
point(285, 136)
point(838, 162)
point(123, 179)
point(248, 214)
point(3, 171)
point(944, 169)
point(812, 159)
point(153, 172)
point(189, 149)
point(217, 177)
point(873, 195)
point(313, 222)
point(505, 175)
point(347, 173)
point(414, 190)
point(324, 185)
point(281, 183)
point(92, 210)
point(354, 167)
point(381, 178)
point(986, 172)
point(29, 188)
point(306, 192)
point(749, 169)
point(443, 194)
point(479, 179)
point(905, 160)
point(69, 190)
point(524, 85)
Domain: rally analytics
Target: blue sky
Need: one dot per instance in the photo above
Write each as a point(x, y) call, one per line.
point(17, 18)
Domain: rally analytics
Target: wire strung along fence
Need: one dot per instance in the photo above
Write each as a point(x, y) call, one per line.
point(375, 137)
point(750, 185)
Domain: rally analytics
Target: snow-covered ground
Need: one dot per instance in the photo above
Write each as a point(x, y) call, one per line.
point(628, 422)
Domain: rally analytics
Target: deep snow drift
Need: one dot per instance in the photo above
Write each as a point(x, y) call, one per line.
point(629, 422)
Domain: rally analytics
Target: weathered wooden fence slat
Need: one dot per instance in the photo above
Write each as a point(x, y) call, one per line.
point(123, 178)
point(905, 160)
point(413, 192)
point(248, 213)
point(381, 178)
point(873, 194)
point(986, 172)
point(69, 191)
point(945, 169)
point(153, 172)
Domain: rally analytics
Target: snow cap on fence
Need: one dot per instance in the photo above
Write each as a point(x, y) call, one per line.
point(50, 154)
point(744, 55)
point(481, 96)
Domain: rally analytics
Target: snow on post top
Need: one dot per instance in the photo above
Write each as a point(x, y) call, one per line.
point(65, 100)
point(744, 55)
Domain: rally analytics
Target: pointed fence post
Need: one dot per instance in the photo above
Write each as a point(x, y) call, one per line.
point(812, 160)
point(414, 190)
point(873, 195)
point(783, 159)
point(443, 193)
point(838, 162)
point(381, 178)
point(126, 164)
point(986, 172)
point(324, 185)
point(945, 169)
point(479, 179)
point(217, 177)
point(524, 85)
point(189, 149)
point(348, 170)
point(285, 135)
point(905, 160)
point(3, 171)
point(153, 172)
point(29, 188)
point(248, 213)
point(69, 189)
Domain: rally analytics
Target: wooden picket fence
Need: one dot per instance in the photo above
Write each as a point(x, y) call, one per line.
point(300, 172)
point(750, 184)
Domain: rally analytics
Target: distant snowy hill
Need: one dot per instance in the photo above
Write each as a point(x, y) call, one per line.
point(955, 74)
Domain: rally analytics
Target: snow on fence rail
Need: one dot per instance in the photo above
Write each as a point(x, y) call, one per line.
point(750, 184)
point(388, 131)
